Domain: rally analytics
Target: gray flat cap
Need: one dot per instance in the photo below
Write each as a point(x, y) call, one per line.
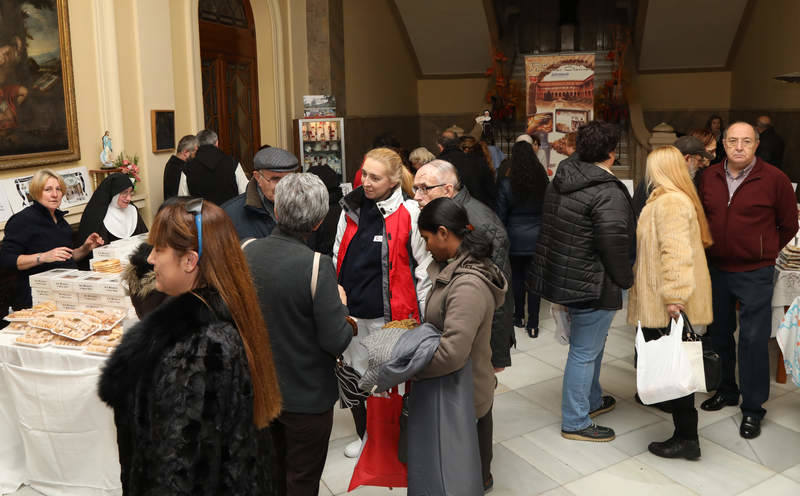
point(275, 160)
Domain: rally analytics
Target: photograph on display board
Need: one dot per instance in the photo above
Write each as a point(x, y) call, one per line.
point(38, 120)
point(78, 189)
point(560, 99)
point(568, 120)
point(319, 106)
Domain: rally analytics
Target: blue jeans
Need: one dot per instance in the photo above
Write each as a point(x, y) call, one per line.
point(581, 391)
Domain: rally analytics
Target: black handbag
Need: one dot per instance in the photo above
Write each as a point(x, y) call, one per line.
point(347, 378)
point(712, 365)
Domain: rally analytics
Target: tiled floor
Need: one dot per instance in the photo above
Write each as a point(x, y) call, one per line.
point(530, 456)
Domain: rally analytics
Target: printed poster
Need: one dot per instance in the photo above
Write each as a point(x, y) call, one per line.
point(79, 189)
point(560, 99)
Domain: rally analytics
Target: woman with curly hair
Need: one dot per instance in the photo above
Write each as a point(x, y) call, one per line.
point(519, 206)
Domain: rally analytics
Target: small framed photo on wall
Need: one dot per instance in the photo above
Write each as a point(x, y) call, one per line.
point(162, 125)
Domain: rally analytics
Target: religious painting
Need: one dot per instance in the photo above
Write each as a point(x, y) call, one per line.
point(560, 88)
point(38, 122)
point(162, 127)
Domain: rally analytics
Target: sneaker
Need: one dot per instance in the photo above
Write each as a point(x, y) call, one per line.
point(594, 433)
point(606, 406)
point(353, 449)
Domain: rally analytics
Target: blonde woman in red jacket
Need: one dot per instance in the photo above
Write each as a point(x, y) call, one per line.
point(381, 260)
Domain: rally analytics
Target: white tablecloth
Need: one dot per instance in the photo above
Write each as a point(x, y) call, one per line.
point(55, 433)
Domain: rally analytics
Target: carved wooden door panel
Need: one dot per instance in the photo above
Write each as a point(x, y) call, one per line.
point(229, 74)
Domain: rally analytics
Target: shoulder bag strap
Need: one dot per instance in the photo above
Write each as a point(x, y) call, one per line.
point(247, 242)
point(314, 275)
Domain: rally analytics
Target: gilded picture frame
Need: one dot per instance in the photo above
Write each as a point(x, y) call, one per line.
point(38, 117)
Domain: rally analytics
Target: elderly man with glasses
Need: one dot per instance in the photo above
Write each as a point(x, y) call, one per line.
point(438, 179)
point(253, 212)
point(752, 214)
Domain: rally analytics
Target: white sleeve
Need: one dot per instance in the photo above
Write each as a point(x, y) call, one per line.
point(183, 188)
point(422, 256)
point(241, 179)
point(340, 227)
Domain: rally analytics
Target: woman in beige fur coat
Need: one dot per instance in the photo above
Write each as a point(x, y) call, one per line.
point(671, 275)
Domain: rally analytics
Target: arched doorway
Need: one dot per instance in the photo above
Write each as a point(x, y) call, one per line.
point(230, 76)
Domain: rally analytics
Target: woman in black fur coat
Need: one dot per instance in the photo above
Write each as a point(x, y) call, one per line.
point(193, 384)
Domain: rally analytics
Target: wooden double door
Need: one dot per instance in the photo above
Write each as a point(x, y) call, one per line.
point(230, 77)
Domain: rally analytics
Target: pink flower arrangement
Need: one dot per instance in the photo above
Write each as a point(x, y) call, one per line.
point(129, 166)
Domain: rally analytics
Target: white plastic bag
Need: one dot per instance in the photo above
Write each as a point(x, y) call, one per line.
point(694, 352)
point(561, 317)
point(663, 369)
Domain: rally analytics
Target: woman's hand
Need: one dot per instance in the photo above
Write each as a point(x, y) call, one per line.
point(674, 310)
point(93, 241)
point(342, 295)
point(60, 254)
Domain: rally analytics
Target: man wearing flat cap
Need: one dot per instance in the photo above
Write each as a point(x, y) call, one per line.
point(253, 212)
point(693, 152)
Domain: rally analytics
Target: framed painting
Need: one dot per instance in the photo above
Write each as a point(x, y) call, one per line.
point(38, 119)
point(162, 128)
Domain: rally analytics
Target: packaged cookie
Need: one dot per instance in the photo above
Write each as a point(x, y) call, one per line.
point(35, 338)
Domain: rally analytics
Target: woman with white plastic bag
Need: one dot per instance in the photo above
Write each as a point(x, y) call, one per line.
point(671, 275)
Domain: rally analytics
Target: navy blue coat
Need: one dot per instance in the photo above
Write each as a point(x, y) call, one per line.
point(248, 214)
point(521, 217)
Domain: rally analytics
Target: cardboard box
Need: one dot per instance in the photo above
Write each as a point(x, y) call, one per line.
point(112, 285)
point(68, 306)
point(68, 281)
point(42, 279)
point(60, 296)
point(94, 300)
point(91, 283)
point(40, 295)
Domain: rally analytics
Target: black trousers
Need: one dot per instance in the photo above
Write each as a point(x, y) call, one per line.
point(684, 414)
point(360, 418)
point(519, 267)
point(485, 428)
point(753, 291)
point(301, 447)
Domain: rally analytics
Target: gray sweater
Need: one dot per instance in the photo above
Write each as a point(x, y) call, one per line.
point(306, 335)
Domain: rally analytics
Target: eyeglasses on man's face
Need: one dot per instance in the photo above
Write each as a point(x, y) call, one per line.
point(422, 188)
point(746, 142)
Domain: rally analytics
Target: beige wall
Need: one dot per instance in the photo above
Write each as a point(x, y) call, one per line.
point(686, 90)
point(91, 81)
point(768, 49)
point(451, 96)
point(134, 56)
point(380, 70)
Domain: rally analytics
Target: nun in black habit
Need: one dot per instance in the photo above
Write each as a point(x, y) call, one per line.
point(110, 211)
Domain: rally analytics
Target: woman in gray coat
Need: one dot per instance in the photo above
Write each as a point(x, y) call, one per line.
point(308, 329)
point(467, 289)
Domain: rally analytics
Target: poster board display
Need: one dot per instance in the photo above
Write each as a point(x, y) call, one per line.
point(79, 189)
point(560, 99)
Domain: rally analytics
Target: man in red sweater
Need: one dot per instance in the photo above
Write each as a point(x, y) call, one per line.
point(752, 213)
